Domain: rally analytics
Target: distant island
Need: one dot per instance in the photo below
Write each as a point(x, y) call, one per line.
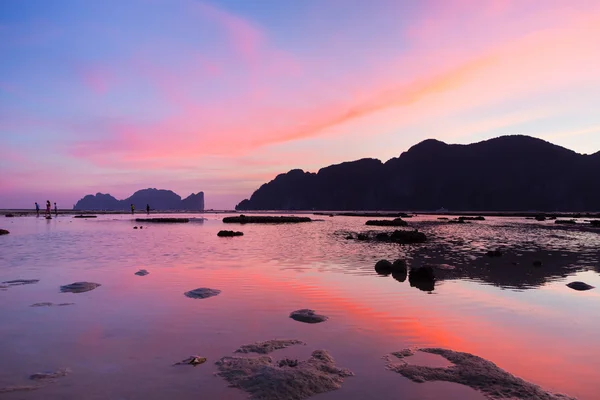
point(509, 173)
point(158, 199)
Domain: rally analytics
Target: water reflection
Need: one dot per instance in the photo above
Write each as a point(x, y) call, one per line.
point(273, 270)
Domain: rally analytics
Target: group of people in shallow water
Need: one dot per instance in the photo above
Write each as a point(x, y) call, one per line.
point(48, 209)
point(147, 209)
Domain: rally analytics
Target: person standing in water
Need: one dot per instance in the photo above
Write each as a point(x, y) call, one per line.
point(48, 207)
point(37, 208)
point(132, 209)
point(148, 209)
point(55, 210)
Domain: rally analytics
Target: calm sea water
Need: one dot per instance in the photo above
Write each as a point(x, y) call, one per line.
point(121, 339)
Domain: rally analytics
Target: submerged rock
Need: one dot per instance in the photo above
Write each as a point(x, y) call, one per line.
point(387, 222)
point(40, 376)
point(229, 233)
point(265, 379)
point(48, 304)
point(308, 316)
point(4, 232)
point(540, 218)
point(579, 286)
point(79, 287)
point(261, 219)
point(21, 388)
point(192, 360)
point(469, 370)
point(202, 293)
point(85, 216)
point(408, 237)
point(18, 282)
point(141, 272)
point(268, 346)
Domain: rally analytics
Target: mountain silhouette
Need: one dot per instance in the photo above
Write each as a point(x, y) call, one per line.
point(509, 173)
point(158, 199)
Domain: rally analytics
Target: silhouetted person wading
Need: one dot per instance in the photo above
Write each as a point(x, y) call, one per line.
point(132, 209)
point(148, 209)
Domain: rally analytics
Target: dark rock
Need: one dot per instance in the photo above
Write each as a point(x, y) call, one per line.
point(286, 362)
point(540, 218)
point(308, 316)
point(422, 278)
point(135, 227)
point(229, 233)
point(142, 272)
point(259, 219)
point(537, 263)
point(163, 220)
point(457, 221)
point(494, 253)
point(384, 222)
point(443, 218)
point(268, 346)
point(479, 218)
point(382, 236)
point(408, 237)
point(383, 267)
point(41, 376)
point(400, 276)
point(565, 221)
point(265, 379)
point(4, 232)
point(202, 293)
point(399, 266)
point(17, 282)
point(469, 370)
point(79, 287)
point(349, 237)
point(9, 215)
point(579, 286)
point(192, 360)
point(595, 224)
point(47, 304)
point(85, 216)
point(362, 236)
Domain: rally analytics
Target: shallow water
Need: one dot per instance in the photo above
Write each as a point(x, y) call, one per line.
point(121, 339)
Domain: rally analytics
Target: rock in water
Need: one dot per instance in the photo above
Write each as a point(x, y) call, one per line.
point(383, 267)
point(265, 379)
point(422, 278)
point(142, 272)
point(268, 346)
point(79, 287)
point(192, 360)
point(229, 233)
point(4, 232)
point(469, 370)
point(18, 282)
point(41, 376)
point(260, 219)
point(202, 293)
point(579, 286)
point(494, 253)
point(308, 316)
point(387, 222)
point(48, 304)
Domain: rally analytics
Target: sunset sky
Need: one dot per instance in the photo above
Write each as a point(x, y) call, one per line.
point(221, 96)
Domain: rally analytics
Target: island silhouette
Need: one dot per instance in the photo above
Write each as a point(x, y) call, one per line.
point(508, 173)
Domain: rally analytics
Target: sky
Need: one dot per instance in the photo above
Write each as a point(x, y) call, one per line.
point(221, 96)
